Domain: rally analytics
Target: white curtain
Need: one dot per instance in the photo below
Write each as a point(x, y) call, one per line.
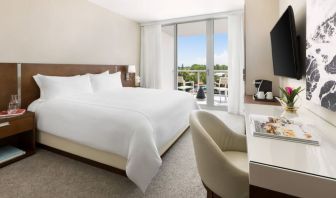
point(236, 63)
point(167, 57)
point(150, 60)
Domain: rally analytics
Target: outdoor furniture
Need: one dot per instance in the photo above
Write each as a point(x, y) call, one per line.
point(222, 87)
point(183, 85)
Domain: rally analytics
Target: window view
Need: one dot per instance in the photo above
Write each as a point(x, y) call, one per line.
point(191, 60)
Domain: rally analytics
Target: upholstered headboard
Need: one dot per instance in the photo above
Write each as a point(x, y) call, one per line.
point(8, 83)
point(31, 92)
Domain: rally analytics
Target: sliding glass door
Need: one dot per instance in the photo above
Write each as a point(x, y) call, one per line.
point(221, 58)
point(191, 59)
point(201, 60)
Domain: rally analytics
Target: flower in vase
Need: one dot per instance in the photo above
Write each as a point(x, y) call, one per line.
point(289, 95)
point(289, 90)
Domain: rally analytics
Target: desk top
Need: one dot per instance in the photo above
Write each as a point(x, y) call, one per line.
point(310, 159)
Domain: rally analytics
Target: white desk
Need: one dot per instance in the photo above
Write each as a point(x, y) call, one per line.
point(293, 168)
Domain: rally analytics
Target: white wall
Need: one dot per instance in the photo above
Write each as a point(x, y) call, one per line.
point(260, 18)
point(299, 7)
point(66, 31)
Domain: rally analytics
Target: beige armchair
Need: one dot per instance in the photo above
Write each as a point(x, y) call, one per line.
point(183, 85)
point(222, 86)
point(220, 155)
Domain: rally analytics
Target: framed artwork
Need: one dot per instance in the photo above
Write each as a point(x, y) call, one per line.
point(321, 53)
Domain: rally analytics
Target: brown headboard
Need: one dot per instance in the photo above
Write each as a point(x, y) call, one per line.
point(31, 92)
point(8, 83)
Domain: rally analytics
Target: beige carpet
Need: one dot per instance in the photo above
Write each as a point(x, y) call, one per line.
point(46, 174)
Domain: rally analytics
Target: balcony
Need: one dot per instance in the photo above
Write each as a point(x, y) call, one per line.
point(194, 79)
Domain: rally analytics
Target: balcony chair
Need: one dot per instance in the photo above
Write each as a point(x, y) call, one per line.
point(183, 85)
point(221, 156)
point(222, 86)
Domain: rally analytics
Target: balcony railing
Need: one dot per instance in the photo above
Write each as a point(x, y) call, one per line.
point(201, 82)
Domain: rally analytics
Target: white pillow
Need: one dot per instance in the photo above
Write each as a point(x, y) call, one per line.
point(37, 80)
point(38, 76)
point(57, 86)
point(106, 82)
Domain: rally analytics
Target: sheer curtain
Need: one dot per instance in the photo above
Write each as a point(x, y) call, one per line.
point(150, 60)
point(236, 63)
point(167, 57)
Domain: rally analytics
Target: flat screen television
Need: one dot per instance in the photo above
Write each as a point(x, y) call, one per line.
point(285, 47)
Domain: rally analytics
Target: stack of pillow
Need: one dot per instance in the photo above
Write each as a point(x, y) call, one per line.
point(59, 86)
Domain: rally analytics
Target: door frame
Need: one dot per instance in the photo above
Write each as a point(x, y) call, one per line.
point(210, 56)
point(210, 62)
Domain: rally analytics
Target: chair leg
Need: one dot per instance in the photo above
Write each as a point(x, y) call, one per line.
point(210, 193)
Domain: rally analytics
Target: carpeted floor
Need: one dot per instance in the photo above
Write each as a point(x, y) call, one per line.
point(47, 174)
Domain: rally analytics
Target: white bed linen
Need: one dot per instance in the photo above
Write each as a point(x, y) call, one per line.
point(131, 122)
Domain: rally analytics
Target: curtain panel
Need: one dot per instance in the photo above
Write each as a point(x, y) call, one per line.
point(236, 63)
point(150, 60)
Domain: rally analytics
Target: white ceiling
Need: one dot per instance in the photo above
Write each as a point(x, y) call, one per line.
point(156, 10)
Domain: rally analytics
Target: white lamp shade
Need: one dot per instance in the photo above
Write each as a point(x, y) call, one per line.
point(131, 69)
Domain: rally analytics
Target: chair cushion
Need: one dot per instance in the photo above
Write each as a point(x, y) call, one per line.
point(221, 88)
point(185, 87)
point(238, 159)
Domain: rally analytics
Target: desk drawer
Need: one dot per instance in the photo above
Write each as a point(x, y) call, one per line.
point(17, 126)
point(291, 182)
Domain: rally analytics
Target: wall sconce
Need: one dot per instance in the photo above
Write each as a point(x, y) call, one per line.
point(130, 70)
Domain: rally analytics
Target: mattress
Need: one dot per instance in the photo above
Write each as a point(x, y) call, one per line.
point(133, 123)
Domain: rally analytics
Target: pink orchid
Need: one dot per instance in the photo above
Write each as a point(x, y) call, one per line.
point(289, 90)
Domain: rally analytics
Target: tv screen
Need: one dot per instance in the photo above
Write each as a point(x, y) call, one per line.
point(285, 47)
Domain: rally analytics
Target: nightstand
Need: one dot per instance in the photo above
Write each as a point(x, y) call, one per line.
point(19, 132)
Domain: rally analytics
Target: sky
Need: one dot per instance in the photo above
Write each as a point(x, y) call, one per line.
point(192, 49)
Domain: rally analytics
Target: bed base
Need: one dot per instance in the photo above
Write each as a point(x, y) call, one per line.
point(121, 170)
point(83, 159)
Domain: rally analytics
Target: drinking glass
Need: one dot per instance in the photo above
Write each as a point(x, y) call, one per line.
point(13, 105)
point(11, 108)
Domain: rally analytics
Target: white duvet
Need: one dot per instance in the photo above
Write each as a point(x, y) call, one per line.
point(131, 122)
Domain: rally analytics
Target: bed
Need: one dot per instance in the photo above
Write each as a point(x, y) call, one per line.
point(127, 128)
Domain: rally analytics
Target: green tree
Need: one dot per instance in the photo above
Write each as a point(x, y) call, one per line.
point(198, 67)
point(192, 76)
point(220, 67)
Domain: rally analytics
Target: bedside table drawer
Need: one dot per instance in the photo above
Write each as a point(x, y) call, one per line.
point(17, 126)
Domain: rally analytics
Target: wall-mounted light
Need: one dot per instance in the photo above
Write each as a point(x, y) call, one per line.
point(130, 70)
